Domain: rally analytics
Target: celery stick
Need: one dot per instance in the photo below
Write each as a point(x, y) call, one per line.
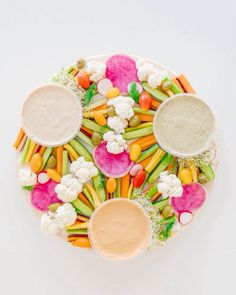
point(81, 232)
point(64, 162)
point(168, 219)
point(99, 185)
point(70, 69)
point(83, 208)
point(85, 138)
point(94, 126)
point(117, 192)
point(153, 190)
point(147, 124)
point(174, 88)
point(207, 170)
point(24, 152)
point(147, 153)
point(161, 167)
point(140, 111)
point(161, 203)
point(138, 133)
point(81, 150)
point(47, 153)
point(88, 195)
point(156, 94)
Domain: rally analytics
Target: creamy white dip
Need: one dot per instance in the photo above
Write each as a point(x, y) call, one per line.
point(183, 125)
point(52, 115)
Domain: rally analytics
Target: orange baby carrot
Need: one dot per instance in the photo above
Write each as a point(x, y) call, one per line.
point(125, 180)
point(22, 143)
point(102, 107)
point(85, 200)
point(146, 161)
point(176, 82)
point(145, 118)
point(82, 218)
point(155, 104)
point(59, 159)
point(19, 138)
point(185, 84)
point(42, 149)
point(142, 140)
point(90, 132)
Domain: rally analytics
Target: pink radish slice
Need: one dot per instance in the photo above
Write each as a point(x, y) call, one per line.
point(135, 168)
point(42, 177)
point(121, 70)
point(138, 86)
point(193, 197)
point(112, 165)
point(185, 217)
point(103, 86)
point(43, 195)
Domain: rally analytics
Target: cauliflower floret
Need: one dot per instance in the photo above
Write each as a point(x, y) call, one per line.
point(144, 71)
point(109, 136)
point(27, 177)
point(169, 185)
point(66, 214)
point(69, 188)
point(83, 170)
point(96, 70)
point(115, 142)
point(156, 78)
point(49, 224)
point(120, 99)
point(114, 147)
point(117, 124)
point(124, 110)
point(140, 62)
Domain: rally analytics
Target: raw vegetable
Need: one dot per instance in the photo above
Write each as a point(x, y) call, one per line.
point(99, 118)
point(91, 91)
point(81, 150)
point(156, 158)
point(173, 87)
point(139, 179)
point(155, 104)
point(113, 92)
point(133, 91)
point(121, 70)
point(185, 217)
point(19, 138)
point(155, 93)
point(161, 167)
point(81, 242)
point(207, 170)
point(96, 104)
point(161, 204)
point(193, 169)
point(96, 138)
point(185, 84)
point(111, 185)
point(130, 190)
point(30, 151)
point(78, 225)
point(52, 162)
point(140, 126)
point(82, 79)
point(85, 138)
point(135, 168)
point(145, 162)
point(125, 181)
point(42, 150)
point(79, 232)
point(167, 211)
point(167, 226)
point(103, 86)
point(24, 151)
point(59, 159)
point(54, 206)
point(118, 184)
point(143, 112)
point(88, 195)
point(94, 126)
point(193, 197)
point(135, 151)
point(145, 141)
point(138, 133)
point(145, 101)
point(71, 151)
point(54, 175)
point(152, 191)
point(22, 143)
point(47, 153)
point(36, 163)
point(138, 87)
point(42, 177)
point(202, 178)
point(81, 207)
point(146, 118)
point(145, 154)
point(64, 162)
point(176, 82)
point(134, 121)
point(82, 198)
point(99, 184)
point(80, 64)
point(94, 195)
point(82, 218)
point(185, 175)
point(111, 111)
point(111, 165)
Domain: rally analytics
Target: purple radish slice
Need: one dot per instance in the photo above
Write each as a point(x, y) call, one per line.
point(193, 197)
point(42, 177)
point(103, 86)
point(112, 165)
point(138, 86)
point(185, 217)
point(135, 168)
point(121, 70)
point(43, 195)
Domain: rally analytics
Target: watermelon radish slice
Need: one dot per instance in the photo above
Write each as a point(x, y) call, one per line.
point(121, 70)
point(193, 197)
point(42, 177)
point(185, 217)
point(112, 165)
point(103, 86)
point(43, 195)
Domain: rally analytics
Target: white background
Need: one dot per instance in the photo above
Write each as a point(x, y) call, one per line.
point(194, 37)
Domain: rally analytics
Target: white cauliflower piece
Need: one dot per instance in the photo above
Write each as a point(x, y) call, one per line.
point(68, 189)
point(117, 124)
point(95, 69)
point(140, 62)
point(114, 147)
point(144, 71)
point(169, 185)
point(109, 136)
point(115, 142)
point(124, 111)
point(49, 224)
point(120, 99)
point(157, 77)
point(66, 214)
point(27, 177)
point(83, 170)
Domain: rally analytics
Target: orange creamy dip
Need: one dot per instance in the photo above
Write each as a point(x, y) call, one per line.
point(120, 229)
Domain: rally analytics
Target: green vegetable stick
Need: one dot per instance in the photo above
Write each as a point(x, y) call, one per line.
point(140, 111)
point(174, 88)
point(147, 153)
point(99, 185)
point(83, 208)
point(117, 192)
point(81, 232)
point(161, 167)
point(138, 133)
point(85, 138)
point(81, 150)
point(64, 162)
point(161, 203)
point(94, 126)
point(153, 190)
point(156, 94)
point(88, 195)
point(47, 153)
point(207, 170)
point(24, 152)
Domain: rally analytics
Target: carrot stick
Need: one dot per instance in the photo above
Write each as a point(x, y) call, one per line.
point(22, 143)
point(142, 140)
point(146, 161)
point(71, 151)
point(148, 144)
point(155, 197)
point(30, 151)
point(82, 197)
point(125, 185)
point(37, 148)
point(82, 218)
point(87, 130)
point(74, 72)
point(185, 84)
point(102, 107)
point(19, 138)
point(42, 149)
point(145, 118)
point(59, 159)
point(155, 104)
point(176, 82)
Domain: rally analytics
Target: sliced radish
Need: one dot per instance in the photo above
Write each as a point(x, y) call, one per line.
point(135, 168)
point(138, 86)
point(185, 217)
point(42, 177)
point(103, 86)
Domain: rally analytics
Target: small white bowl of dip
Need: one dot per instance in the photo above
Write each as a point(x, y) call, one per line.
point(119, 229)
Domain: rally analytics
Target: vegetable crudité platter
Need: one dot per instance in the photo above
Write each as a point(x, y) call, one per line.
point(114, 153)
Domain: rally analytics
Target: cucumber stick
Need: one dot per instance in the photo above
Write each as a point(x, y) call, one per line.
point(165, 162)
point(24, 152)
point(81, 232)
point(147, 153)
point(140, 111)
point(117, 192)
point(94, 126)
point(81, 150)
point(156, 158)
point(84, 209)
point(152, 191)
point(173, 87)
point(138, 133)
point(85, 138)
point(64, 162)
point(207, 170)
point(142, 125)
point(47, 153)
point(99, 185)
point(156, 94)
point(88, 195)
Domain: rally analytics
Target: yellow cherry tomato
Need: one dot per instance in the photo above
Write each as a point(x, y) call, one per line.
point(36, 163)
point(113, 92)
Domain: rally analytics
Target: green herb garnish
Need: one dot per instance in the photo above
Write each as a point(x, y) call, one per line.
point(28, 188)
point(133, 92)
point(91, 91)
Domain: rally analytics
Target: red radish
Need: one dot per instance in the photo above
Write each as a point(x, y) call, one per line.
point(185, 217)
point(135, 168)
point(121, 70)
point(82, 79)
point(145, 101)
point(42, 177)
point(139, 178)
point(103, 86)
point(112, 165)
point(193, 197)
point(138, 86)
point(43, 195)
